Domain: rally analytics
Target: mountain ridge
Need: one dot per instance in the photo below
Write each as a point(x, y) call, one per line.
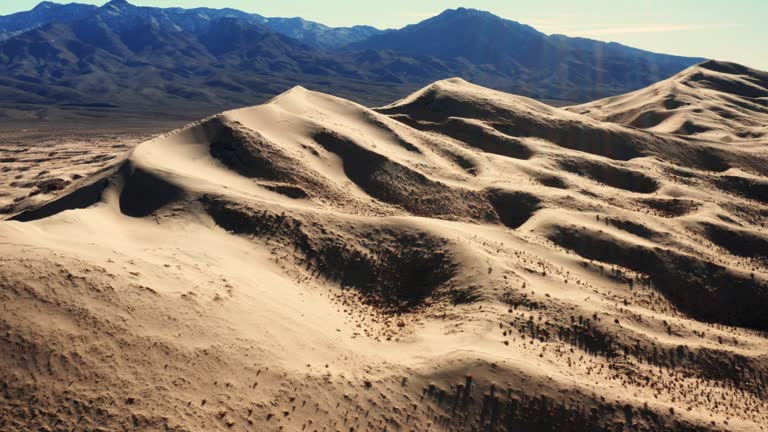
point(312, 33)
point(179, 55)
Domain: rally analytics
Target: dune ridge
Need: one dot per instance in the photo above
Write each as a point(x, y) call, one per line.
point(715, 100)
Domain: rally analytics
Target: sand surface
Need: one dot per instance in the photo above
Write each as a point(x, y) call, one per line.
point(462, 259)
point(38, 165)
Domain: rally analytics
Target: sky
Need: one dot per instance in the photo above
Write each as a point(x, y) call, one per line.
point(732, 30)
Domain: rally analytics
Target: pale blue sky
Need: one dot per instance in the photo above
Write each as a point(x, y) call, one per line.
point(734, 30)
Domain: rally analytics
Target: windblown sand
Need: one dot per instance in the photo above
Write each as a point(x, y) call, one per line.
point(462, 259)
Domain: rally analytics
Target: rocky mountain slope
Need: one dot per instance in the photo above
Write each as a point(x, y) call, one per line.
point(44, 13)
point(554, 67)
point(461, 259)
point(311, 33)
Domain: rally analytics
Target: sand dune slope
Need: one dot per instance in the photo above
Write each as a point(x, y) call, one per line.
point(461, 259)
point(715, 100)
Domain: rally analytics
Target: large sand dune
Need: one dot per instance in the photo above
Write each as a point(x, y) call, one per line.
point(462, 259)
point(719, 101)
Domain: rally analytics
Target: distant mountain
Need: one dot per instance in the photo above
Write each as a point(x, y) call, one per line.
point(319, 35)
point(127, 56)
point(120, 14)
point(44, 13)
point(480, 37)
point(311, 33)
point(537, 65)
point(123, 57)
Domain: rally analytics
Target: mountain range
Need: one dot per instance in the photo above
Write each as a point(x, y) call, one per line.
point(311, 33)
point(91, 61)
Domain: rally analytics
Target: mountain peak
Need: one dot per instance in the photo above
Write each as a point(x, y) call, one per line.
point(471, 22)
point(44, 5)
point(467, 12)
point(470, 11)
point(118, 4)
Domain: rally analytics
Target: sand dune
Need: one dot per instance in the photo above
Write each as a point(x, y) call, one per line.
point(462, 259)
point(718, 101)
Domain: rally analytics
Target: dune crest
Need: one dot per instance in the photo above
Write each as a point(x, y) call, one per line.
point(715, 101)
point(462, 259)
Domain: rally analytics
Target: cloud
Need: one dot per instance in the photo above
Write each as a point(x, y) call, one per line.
point(617, 30)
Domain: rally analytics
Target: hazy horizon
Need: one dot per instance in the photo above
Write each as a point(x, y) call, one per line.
point(728, 31)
